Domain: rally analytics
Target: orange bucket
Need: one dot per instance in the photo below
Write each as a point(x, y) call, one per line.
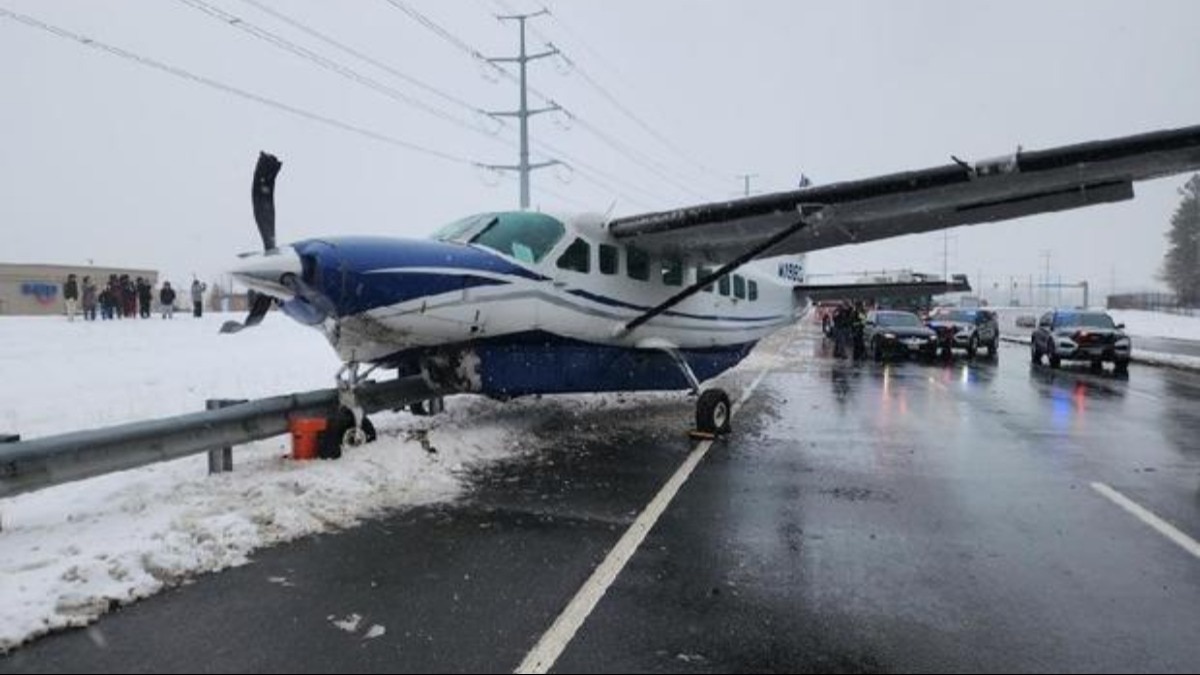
point(306, 436)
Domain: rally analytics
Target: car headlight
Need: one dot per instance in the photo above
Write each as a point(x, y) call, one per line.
point(889, 336)
point(1122, 342)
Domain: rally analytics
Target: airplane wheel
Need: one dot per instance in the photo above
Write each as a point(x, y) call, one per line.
point(342, 434)
point(713, 412)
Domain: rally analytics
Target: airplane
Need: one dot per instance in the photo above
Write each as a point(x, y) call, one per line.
point(514, 303)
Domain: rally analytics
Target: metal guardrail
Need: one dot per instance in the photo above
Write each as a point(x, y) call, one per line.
point(51, 460)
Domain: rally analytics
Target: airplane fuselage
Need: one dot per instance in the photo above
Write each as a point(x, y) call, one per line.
point(540, 309)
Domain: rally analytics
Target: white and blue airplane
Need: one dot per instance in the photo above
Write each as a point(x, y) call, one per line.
point(515, 303)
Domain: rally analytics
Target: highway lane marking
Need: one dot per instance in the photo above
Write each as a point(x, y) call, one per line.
point(1146, 516)
point(555, 640)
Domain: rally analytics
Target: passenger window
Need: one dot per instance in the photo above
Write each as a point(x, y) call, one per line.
point(723, 285)
point(752, 288)
point(672, 272)
point(609, 259)
point(702, 272)
point(637, 264)
point(739, 287)
point(577, 257)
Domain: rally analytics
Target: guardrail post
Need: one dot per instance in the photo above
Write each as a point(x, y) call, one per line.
point(220, 459)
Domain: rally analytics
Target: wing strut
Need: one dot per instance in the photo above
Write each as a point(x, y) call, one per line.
point(721, 271)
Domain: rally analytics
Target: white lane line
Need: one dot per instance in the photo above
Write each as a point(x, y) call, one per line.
point(555, 640)
point(1146, 516)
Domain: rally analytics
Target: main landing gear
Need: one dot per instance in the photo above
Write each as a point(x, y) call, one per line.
point(713, 410)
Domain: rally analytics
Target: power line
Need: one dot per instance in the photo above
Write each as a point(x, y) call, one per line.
point(364, 57)
point(460, 44)
point(229, 89)
point(616, 102)
point(238, 22)
point(644, 160)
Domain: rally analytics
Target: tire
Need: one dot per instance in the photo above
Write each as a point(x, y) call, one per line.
point(876, 351)
point(1121, 367)
point(713, 412)
point(340, 434)
point(1054, 360)
point(972, 346)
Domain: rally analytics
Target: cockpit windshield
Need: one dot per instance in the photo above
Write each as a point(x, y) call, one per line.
point(523, 235)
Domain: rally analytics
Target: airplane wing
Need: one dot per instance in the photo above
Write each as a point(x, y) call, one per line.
point(1021, 184)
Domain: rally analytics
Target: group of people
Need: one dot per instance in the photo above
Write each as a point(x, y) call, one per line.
point(844, 325)
point(122, 297)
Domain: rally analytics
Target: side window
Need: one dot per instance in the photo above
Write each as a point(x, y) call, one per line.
point(672, 272)
point(739, 286)
point(752, 290)
point(637, 264)
point(577, 257)
point(702, 272)
point(610, 259)
point(723, 285)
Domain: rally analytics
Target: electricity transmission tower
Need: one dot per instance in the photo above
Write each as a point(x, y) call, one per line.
point(524, 113)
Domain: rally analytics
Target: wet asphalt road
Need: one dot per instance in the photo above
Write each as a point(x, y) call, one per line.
point(862, 518)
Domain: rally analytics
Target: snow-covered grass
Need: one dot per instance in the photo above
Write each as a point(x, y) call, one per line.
point(70, 552)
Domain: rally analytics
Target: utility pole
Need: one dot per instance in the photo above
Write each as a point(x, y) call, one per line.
point(746, 182)
point(1045, 253)
point(524, 113)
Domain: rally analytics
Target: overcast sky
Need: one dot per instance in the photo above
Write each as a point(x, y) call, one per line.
point(108, 160)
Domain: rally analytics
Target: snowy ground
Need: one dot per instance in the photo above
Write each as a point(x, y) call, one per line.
point(1138, 323)
point(69, 553)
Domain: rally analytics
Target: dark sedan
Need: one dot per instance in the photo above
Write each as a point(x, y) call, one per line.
point(1079, 335)
point(891, 333)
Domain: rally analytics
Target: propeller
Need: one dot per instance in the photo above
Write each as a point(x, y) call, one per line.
point(262, 198)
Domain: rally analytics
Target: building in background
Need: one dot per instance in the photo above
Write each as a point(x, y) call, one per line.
point(37, 289)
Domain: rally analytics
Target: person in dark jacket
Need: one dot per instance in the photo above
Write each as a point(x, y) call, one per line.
point(145, 293)
point(843, 327)
point(167, 297)
point(89, 299)
point(71, 296)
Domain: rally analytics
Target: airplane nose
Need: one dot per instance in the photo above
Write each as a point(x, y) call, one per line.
point(265, 272)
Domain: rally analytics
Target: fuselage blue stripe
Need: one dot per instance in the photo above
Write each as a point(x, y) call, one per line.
point(613, 302)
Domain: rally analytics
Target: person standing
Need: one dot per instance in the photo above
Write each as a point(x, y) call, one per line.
point(71, 296)
point(89, 299)
point(167, 297)
point(198, 288)
point(145, 293)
